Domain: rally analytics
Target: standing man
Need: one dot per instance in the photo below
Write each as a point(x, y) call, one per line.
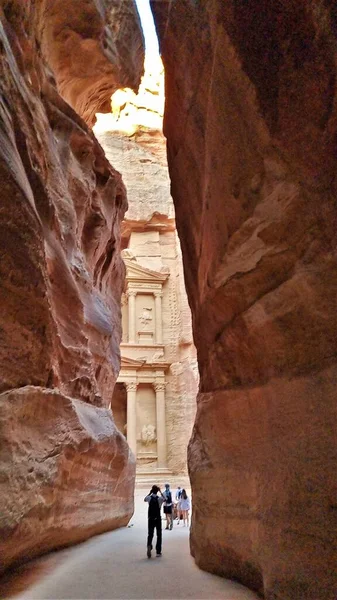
point(168, 506)
point(154, 518)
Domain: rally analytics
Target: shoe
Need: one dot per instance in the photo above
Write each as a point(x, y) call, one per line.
point(158, 553)
point(171, 527)
point(149, 551)
point(166, 527)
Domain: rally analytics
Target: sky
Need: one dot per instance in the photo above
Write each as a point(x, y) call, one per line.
point(151, 41)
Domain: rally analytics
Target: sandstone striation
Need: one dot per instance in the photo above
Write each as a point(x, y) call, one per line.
point(61, 278)
point(251, 121)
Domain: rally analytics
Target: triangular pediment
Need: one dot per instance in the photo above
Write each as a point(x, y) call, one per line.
point(131, 362)
point(136, 272)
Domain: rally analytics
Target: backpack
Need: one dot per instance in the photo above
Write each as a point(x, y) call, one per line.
point(168, 498)
point(154, 508)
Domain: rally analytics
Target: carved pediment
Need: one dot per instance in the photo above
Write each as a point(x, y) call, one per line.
point(143, 363)
point(135, 272)
point(132, 362)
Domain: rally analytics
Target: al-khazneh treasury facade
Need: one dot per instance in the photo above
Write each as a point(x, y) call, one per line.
point(154, 400)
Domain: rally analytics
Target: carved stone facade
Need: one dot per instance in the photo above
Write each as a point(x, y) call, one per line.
point(143, 364)
point(152, 403)
point(154, 399)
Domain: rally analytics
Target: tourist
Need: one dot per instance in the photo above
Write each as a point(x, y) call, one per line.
point(185, 506)
point(177, 505)
point(154, 518)
point(168, 506)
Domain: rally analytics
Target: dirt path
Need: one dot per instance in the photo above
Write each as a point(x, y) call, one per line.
point(114, 565)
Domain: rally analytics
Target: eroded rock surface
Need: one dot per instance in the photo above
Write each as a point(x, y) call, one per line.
point(70, 474)
point(61, 277)
point(251, 121)
point(93, 48)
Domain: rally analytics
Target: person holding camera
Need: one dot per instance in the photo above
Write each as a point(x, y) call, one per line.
point(154, 518)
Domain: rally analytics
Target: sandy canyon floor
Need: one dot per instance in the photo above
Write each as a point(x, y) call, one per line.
point(115, 565)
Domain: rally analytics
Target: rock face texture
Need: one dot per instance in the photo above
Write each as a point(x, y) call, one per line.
point(61, 278)
point(132, 139)
point(93, 48)
point(251, 123)
point(62, 450)
point(134, 143)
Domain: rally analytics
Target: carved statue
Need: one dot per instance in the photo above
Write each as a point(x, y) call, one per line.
point(146, 316)
point(148, 434)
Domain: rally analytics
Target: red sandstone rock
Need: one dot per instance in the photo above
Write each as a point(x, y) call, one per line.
point(61, 277)
point(66, 472)
point(251, 126)
point(93, 49)
point(62, 274)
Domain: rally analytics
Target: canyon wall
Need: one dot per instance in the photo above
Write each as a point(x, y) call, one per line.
point(251, 126)
point(65, 470)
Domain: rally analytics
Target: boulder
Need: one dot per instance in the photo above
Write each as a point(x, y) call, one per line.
point(66, 472)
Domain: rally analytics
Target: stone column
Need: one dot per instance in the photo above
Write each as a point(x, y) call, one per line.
point(161, 424)
point(158, 314)
point(132, 315)
point(131, 420)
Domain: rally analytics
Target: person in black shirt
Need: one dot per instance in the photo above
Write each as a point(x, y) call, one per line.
point(154, 518)
point(168, 506)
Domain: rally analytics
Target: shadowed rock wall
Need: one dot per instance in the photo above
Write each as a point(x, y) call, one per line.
point(61, 277)
point(250, 121)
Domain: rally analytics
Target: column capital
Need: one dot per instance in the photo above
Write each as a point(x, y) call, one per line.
point(158, 294)
point(159, 386)
point(131, 386)
point(131, 293)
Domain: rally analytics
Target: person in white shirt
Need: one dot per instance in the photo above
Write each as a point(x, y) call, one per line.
point(177, 506)
point(185, 506)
